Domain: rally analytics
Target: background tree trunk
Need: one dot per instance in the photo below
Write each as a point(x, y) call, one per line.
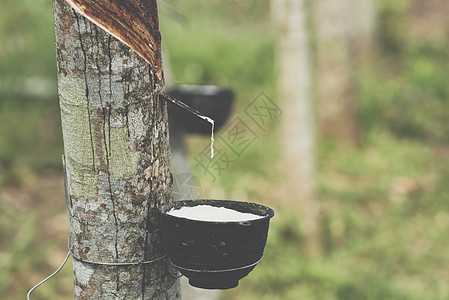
point(118, 161)
point(336, 84)
point(364, 30)
point(428, 19)
point(298, 121)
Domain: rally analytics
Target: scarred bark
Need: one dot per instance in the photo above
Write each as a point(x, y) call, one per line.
point(118, 165)
point(133, 22)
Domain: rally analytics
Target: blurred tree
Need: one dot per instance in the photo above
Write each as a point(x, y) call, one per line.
point(298, 117)
point(364, 25)
point(428, 19)
point(336, 89)
point(115, 134)
point(344, 35)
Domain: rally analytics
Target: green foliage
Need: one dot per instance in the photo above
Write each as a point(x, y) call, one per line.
point(384, 225)
point(392, 26)
point(410, 100)
point(29, 116)
point(229, 45)
point(30, 140)
point(27, 39)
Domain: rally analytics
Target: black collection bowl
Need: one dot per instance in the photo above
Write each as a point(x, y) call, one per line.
point(213, 101)
point(212, 254)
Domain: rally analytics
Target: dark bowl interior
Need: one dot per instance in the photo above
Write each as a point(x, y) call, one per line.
point(215, 255)
point(212, 101)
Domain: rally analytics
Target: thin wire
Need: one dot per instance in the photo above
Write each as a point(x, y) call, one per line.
point(117, 264)
point(68, 218)
point(78, 258)
point(54, 273)
point(176, 276)
point(69, 244)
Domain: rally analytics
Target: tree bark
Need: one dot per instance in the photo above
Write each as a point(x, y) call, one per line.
point(336, 84)
point(364, 27)
point(298, 117)
point(427, 20)
point(118, 162)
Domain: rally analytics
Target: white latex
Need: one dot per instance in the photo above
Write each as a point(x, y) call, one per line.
point(212, 214)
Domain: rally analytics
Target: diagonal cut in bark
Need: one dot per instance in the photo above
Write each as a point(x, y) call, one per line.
point(133, 22)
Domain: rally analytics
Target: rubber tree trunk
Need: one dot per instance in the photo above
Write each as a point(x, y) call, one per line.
point(364, 28)
point(336, 84)
point(298, 117)
point(118, 162)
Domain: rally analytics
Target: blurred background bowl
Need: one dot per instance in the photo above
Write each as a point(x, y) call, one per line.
point(212, 101)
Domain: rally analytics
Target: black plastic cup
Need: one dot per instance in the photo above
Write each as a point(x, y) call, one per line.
point(215, 255)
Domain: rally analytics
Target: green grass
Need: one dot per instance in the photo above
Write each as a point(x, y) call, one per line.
point(384, 227)
point(31, 138)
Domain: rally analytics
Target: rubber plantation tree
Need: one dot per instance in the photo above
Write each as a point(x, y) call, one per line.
point(116, 146)
point(364, 24)
point(345, 31)
point(336, 84)
point(298, 137)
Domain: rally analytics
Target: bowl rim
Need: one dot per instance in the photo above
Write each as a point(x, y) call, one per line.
point(251, 265)
point(164, 208)
point(200, 90)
